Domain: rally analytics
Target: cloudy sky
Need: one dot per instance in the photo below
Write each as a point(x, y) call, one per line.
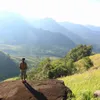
point(76, 11)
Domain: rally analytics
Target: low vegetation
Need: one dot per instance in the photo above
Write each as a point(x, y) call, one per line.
point(63, 66)
point(82, 76)
point(83, 85)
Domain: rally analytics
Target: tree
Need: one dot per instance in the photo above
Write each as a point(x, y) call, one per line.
point(70, 67)
point(79, 52)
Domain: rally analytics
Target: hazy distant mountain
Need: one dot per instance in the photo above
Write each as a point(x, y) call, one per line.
point(53, 26)
point(44, 36)
point(90, 35)
point(15, 30)
point(79, 34)
point(94, 28)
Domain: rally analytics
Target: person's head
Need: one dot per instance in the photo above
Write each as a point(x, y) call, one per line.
point(23, 59)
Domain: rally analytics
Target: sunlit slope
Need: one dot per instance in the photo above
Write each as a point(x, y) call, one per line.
point(83, 84)
point(96, 60)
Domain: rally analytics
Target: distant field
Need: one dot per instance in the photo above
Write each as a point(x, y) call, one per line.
point(83, 85)
point(33, 50)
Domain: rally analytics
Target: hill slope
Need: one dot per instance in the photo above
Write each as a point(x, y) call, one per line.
point(8, 68)
point(84, 85)
point(95, 60)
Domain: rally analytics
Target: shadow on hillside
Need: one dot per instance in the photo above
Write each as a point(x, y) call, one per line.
point(36, 94)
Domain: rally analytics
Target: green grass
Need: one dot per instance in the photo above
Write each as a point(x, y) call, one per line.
point(84, 85)
point(12, 79)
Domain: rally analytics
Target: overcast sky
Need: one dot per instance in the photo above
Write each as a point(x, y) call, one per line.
point(77, 11)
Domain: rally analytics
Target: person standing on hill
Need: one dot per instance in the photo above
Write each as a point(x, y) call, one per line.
point(23, 68)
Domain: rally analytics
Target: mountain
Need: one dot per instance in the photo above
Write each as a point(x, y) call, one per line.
point(90, 34)
point(94, 28)
point(15, 30)
point(51, 25)
point(41, 37)
point(8, 67)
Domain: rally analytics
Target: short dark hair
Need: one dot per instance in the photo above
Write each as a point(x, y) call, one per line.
point(23, 58)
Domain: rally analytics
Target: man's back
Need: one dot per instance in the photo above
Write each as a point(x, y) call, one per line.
point(23, 65)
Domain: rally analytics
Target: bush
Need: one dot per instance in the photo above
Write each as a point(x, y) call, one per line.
point(87, 62)
point(79, 52)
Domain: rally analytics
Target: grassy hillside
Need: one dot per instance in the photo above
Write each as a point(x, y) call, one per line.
point(96, 61)
point(83, 85)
